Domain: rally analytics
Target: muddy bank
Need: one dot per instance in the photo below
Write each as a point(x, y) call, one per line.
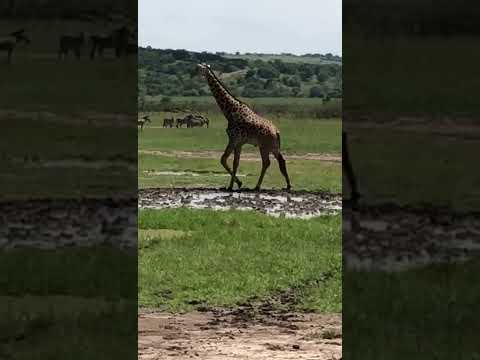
point(296, 204)
point(394, 238)
point(49, 224)
point(223, 335)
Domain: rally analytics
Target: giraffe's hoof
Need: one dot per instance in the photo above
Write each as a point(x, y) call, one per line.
point(239, 184)
point(230, 189)
point(257, 188)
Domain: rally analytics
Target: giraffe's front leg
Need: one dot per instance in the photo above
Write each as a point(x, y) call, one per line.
point(228, 151)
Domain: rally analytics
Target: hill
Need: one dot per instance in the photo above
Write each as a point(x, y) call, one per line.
point(173, 73)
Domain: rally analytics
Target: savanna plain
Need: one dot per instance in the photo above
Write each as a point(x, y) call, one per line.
point(239, 282)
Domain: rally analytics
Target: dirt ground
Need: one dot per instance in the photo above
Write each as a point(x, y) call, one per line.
point(222, 334)
point(245, 156)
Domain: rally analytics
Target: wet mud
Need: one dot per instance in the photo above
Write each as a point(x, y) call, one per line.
point(295, 204)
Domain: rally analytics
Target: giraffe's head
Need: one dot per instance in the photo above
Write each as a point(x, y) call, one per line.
point(203, 68)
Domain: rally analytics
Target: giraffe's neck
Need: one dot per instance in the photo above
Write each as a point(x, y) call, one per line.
point(225, 100)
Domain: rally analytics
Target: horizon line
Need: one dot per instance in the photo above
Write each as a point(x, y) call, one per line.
point(243, 53)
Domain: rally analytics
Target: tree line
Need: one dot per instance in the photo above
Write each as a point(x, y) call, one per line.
point(174, 73)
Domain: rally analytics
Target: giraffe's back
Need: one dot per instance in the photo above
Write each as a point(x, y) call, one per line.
point(248, 127)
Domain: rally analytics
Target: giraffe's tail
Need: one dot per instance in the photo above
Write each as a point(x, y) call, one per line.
point(279, 141)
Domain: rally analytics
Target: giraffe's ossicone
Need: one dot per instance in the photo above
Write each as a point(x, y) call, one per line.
point(245, 127)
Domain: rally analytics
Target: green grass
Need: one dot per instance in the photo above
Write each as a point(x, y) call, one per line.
point(304, 174)
point(223, 258)
point(82, 296)
point(33, 142)
point(60, 327)
point(415, 168)
point(298, 135)
point(420, 314)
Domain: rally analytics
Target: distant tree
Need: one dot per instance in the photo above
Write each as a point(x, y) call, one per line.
point(296, 91)
point(267, 72)
point(250, 74)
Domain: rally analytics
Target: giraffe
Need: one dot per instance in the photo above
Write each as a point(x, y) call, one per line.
point(244, 127)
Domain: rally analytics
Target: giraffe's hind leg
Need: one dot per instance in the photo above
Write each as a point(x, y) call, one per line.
point(236, 162)
point(283, 168)
point(228, 151)
point(265, 164)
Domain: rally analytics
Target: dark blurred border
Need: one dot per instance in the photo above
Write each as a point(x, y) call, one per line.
point(68, 174)
point(411, 199)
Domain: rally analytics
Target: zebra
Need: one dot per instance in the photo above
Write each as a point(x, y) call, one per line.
point(182, 121)
point(193, 121)
point(8, 43)
point(117, 40)
point(197, 121)
point(168, 122)
point(141, 122)
point(71, 42)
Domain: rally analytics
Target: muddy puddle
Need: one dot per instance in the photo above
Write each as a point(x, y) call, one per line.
point(392, 238)
point(303, 205)
point(49, 224)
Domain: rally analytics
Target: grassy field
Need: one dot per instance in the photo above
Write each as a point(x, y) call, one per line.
point(299, 135)
point(415, 168)
point(222, 258)
point(163, 171)
point(428, 313)
point(35, 146)
point(187, 256)
point(52, 296)
point(312, 136)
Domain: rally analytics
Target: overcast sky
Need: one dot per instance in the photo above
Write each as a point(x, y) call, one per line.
point(268, 26)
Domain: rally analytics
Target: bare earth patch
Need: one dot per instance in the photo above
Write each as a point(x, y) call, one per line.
point(245, 156)
point(220, 335)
